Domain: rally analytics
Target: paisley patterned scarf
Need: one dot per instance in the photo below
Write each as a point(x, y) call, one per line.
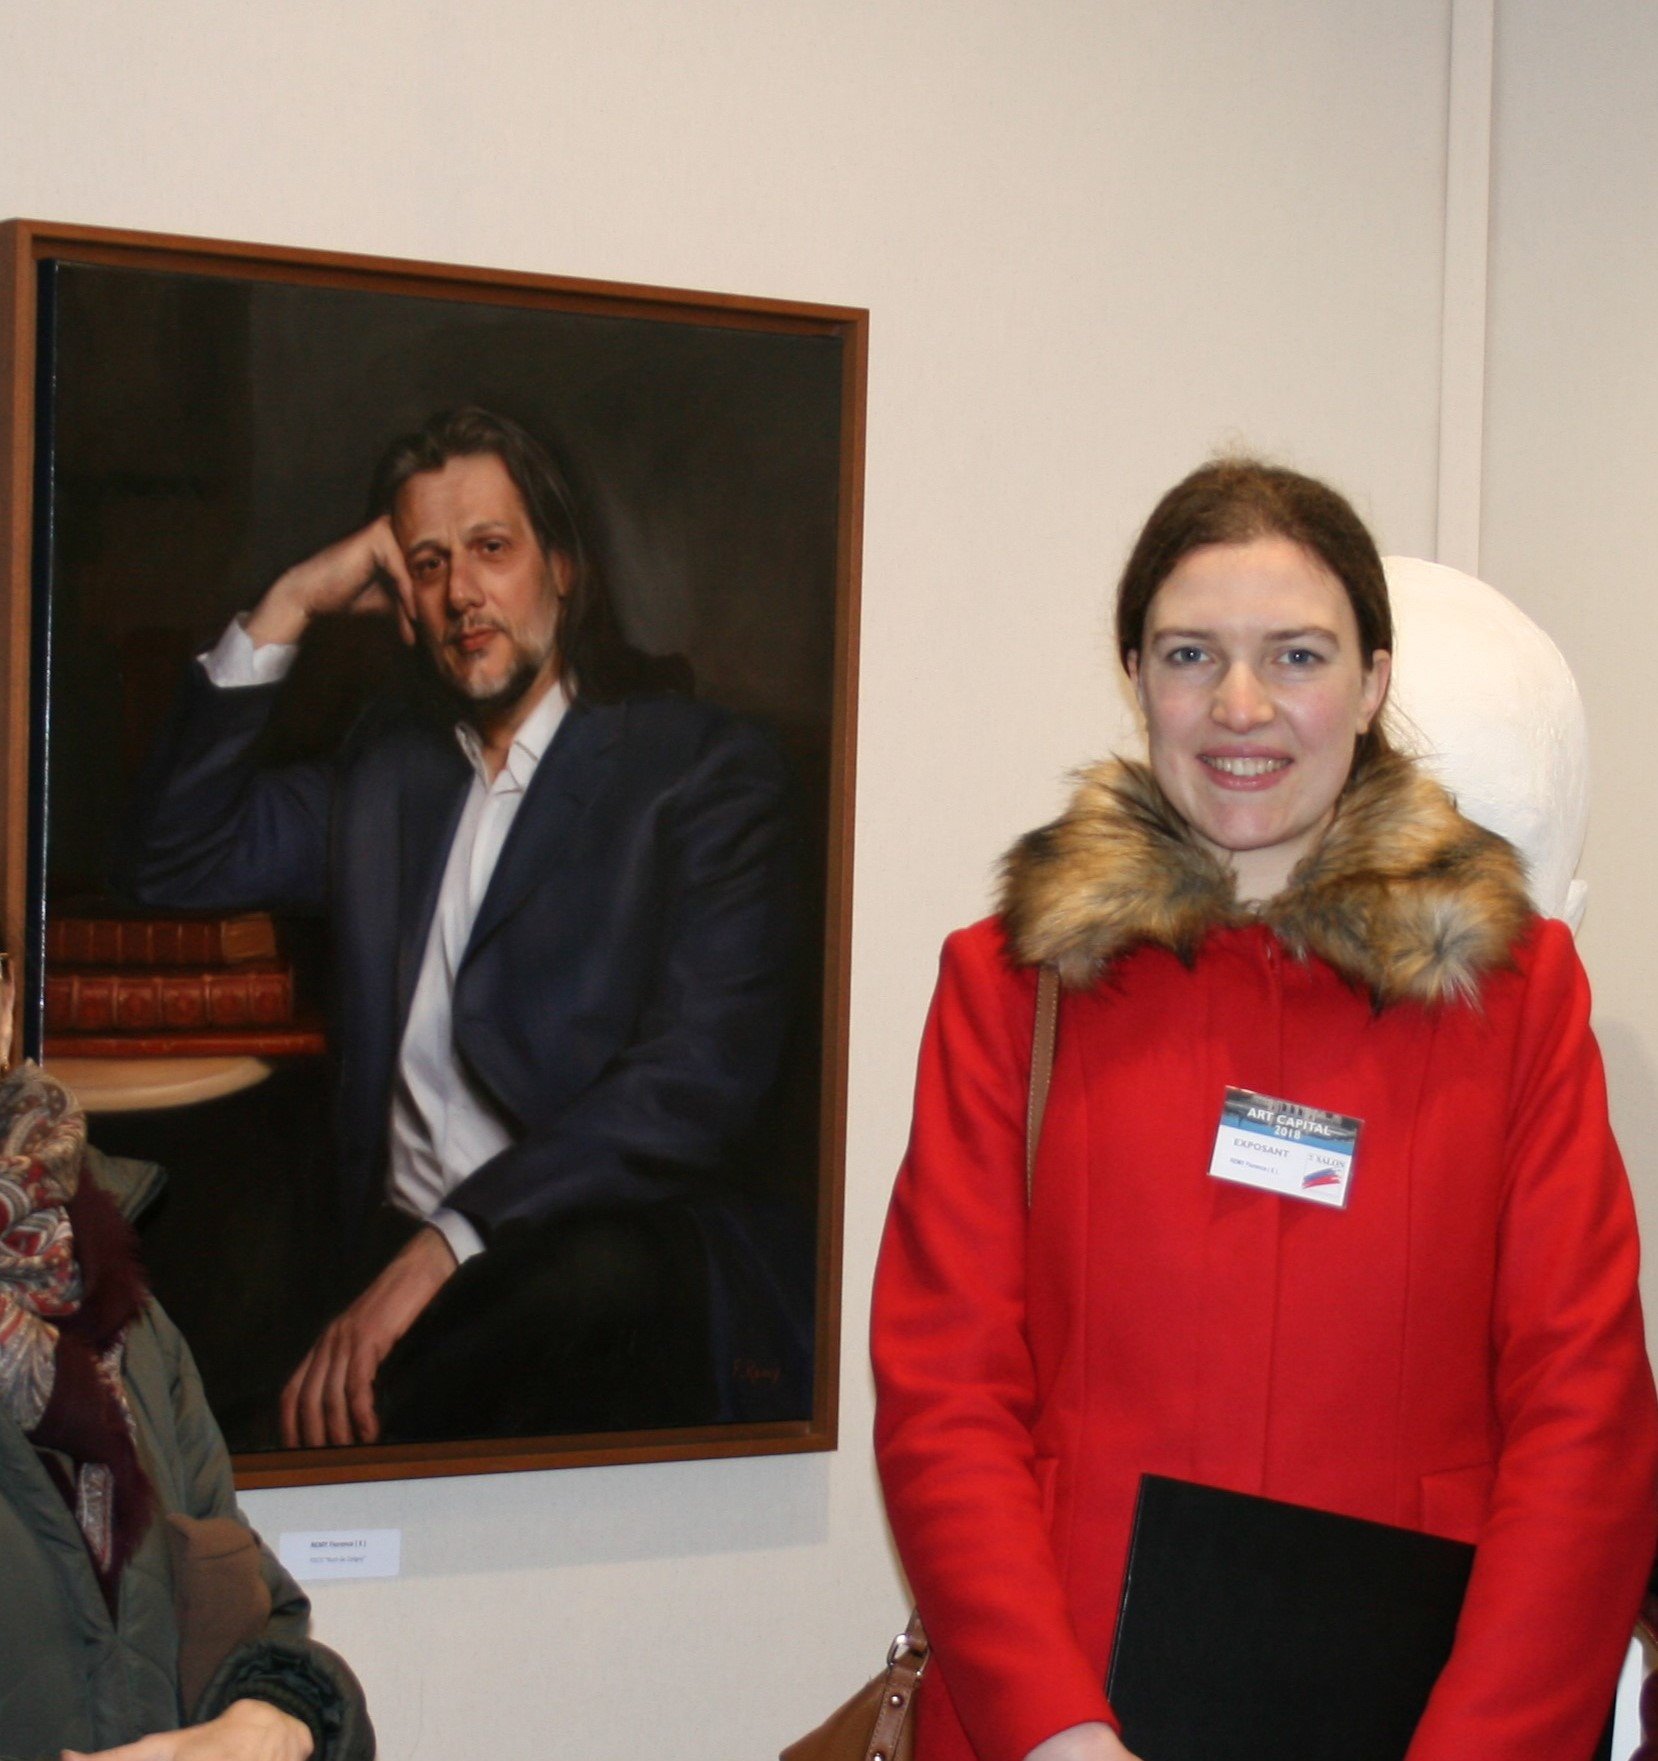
point(68, 1287)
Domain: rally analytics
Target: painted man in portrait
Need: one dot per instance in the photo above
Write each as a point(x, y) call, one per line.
point(564, 925)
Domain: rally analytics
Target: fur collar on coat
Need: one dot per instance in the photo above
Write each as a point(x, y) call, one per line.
point(1403, 896)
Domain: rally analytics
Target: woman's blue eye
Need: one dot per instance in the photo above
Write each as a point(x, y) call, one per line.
point(1302, 656)
point(1187, 654)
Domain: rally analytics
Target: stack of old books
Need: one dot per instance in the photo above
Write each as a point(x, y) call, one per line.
point(122, 986)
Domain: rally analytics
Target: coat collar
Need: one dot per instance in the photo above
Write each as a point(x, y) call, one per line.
point(1403, 896)
point(529, 744)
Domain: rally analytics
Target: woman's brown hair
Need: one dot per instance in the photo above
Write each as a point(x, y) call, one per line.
point(1233, 500)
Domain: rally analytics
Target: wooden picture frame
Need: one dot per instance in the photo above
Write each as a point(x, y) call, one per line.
point(184, 418)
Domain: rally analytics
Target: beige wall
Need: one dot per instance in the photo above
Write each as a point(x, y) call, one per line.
point(1571, 478)
point(1098, 238)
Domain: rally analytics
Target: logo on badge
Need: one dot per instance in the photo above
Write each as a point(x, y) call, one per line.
point(1324, 1177)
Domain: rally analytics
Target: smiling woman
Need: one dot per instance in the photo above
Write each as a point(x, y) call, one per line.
point(1255, 693)
point(1253, 621)
point(1278, 903)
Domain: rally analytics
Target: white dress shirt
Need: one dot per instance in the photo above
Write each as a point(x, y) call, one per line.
point(442, 1124)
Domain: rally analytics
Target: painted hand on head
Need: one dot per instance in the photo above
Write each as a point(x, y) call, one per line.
point(364, 572)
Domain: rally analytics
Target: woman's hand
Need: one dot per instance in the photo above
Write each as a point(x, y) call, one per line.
point(1082, 1742)
point(247, 1730)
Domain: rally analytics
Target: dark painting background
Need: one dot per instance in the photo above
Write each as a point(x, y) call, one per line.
point(200, 434)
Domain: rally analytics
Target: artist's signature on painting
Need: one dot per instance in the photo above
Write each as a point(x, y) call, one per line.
point(756, 1375)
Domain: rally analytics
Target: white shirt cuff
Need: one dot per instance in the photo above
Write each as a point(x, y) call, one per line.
point(464, 1241)
point(234, 661)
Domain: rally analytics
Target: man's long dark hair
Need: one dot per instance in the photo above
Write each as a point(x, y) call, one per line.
point(599, 664)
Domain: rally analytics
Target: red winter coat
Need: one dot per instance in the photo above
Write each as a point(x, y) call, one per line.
point(1459, 1350)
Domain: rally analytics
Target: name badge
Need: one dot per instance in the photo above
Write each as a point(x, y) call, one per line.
point(1278, 1146)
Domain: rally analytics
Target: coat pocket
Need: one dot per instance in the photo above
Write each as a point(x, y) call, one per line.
point(1455, 1500)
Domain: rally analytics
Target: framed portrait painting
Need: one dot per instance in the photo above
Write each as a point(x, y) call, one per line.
point(427, 833)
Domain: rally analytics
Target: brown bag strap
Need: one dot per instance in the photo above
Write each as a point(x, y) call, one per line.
point(1041, 1067)
point(905, 1663)
point(909, 1649)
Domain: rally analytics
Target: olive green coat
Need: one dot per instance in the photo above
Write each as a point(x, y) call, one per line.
point(70, 1677)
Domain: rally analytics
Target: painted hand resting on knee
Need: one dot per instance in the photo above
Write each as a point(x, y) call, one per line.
point(329, 1399)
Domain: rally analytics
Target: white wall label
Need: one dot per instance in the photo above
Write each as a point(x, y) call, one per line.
point(342, 1553)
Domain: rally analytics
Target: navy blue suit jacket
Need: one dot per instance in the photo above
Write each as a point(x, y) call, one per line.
point(625, 994)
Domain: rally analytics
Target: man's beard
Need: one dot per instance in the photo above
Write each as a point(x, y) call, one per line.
point(480, 702)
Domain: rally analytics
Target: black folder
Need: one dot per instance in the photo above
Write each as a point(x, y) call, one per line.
point(1257, 1630)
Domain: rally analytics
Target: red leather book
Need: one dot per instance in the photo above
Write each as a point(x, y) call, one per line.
point(108, 941)
point(299, 1041)
point(169, 1001)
